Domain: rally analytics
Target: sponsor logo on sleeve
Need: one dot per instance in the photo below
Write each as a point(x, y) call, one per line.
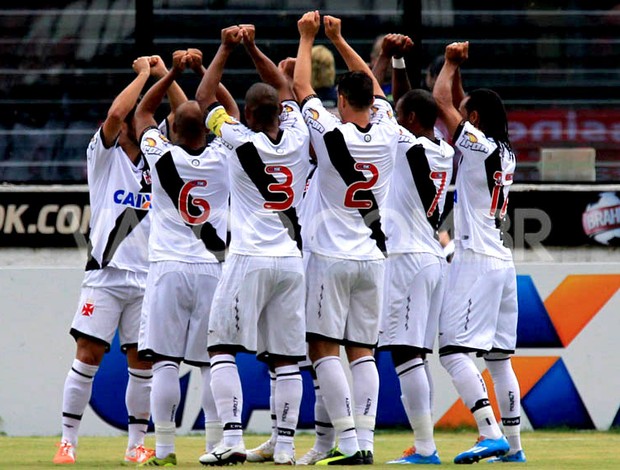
point(470, 141)
point(311, 116)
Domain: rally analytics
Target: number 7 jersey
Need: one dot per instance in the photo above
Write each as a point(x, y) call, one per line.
point(267, 179)
point(483, 180)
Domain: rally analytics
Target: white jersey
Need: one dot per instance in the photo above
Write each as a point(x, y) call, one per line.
point(346, 198)
point(267, 180)
point(190, 192)
point(120, 199)
point(422, 173)
point(481, 198)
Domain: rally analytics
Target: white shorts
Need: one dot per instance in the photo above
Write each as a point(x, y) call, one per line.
point(259, 307)
point(413, 295)
point(175, 316)
point(344, 299)
point(115, 302)
point(479, 311)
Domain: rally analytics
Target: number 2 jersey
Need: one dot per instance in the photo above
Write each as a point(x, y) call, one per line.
point(267, 179)
point(483, 181)
point(345, 201)
point(120, 201)
point(190, 200)
point(422, 172)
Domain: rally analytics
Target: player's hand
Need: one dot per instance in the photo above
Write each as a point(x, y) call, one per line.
point(287, 66)
point(194, 59)
point(309, 24)
point(406, 45)
point(332, 27)
point(158, 68)
point(141, 64)
point(248, 33)
point(179, 60)
point(457, 52)
point(231, 36)
point(391, 44)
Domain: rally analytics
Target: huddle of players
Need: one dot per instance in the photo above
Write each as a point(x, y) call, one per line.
point(379, 187)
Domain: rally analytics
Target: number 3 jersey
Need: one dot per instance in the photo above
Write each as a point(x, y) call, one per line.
point(346, 197)
point(483, 180)
point(267, 179)
point(422, 172)
point(190, 200)
point(120, 200)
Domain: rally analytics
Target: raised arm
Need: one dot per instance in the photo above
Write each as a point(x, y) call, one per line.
point(176, 96)
point(268, 71)
point(353, 60)
point(222, 95)
point(308, 27)
point(456, 53)
point(400, 79)
point(125, 101)
point(206, 94)
point(145, 112)
point(458, 93)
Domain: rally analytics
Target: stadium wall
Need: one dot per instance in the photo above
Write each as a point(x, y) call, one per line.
point(566, 359)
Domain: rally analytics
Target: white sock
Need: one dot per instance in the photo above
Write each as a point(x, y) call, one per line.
point(226, 386)
point(213, 425)
point(337, 399)
point(431, 386)
point(325, 435)
point(470, 386)
point(508, 397)
point(289, 388)
point(165, 398)
point(272, 407)
point(76, 394)
point(138, 402)
point(415, 388)
point(365, 396)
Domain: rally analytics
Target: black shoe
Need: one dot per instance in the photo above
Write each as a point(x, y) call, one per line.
point(335, 457)
point(367, 457)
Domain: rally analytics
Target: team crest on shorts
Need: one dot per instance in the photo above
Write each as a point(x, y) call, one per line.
point(88, 308)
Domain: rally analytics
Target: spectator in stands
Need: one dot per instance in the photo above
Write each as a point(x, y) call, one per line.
point(324, 75)
point(479, 312)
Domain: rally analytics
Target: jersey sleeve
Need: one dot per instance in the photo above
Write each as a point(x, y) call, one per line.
point(98, 156)
point(154, 144)
point(381, 112)
point(318, 119)
point(227, 127)
point(472, 142)
point(291, 118)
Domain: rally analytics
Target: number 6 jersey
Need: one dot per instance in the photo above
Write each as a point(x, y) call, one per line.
point(190, 200)
point(267, 179)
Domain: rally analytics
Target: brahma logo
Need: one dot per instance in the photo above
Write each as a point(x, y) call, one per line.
point(601, 220)
point(136, 200)
point(470, 141)
point(311, 117)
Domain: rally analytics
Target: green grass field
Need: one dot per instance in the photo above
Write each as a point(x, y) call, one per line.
point(544, 449)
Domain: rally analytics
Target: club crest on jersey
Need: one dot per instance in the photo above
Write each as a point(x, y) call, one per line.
point(311, 117)
point(470, 141)
point(88, 308)
point(140, 201)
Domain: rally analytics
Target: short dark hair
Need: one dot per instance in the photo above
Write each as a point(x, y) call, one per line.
point(263, 103)
point(357, 88)
point(422, 103)
point(492, 114)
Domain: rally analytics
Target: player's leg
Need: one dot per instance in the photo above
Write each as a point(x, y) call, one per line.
point(499, 364)
point(138, 392)
point(327, 305)
point(264, 452)
point(467, 324)
point(93, 328)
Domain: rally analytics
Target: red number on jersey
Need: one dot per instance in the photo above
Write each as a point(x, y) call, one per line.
point(284, 187)
point(440, 176)
point(349, 197)
point(497, 176)
point(197, 202)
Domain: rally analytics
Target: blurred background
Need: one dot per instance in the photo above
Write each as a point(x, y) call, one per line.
point(555, 64)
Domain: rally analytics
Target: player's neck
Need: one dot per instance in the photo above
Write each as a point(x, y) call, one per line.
point(359, 118)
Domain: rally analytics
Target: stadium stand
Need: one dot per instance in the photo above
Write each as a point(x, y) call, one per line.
point(554, 67)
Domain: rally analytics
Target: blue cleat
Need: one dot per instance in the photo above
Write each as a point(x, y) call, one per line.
point(410, 457)
point(483, 449)
point(517, 457)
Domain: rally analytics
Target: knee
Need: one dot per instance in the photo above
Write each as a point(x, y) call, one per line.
point(454, 363)
point(89, 352)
